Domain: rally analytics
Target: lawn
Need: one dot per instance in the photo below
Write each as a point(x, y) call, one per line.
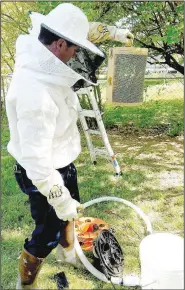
point(152, 179)
point(147, 115)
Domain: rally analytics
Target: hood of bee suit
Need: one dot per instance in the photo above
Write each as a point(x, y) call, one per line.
point(33, 56)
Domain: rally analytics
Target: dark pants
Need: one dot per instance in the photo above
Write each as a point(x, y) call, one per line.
point(48, 227)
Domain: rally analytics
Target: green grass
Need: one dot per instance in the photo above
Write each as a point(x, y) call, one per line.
point(152, 179)
point(147, 115)
point(154, 82)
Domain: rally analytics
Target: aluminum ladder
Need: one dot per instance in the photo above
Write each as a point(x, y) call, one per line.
point(95, 113)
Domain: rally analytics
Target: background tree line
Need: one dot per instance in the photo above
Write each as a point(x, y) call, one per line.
point(158, 26)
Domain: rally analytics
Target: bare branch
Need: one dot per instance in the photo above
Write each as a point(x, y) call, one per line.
point(4, 59)
point(150, 46)
point(156, 62)
point(11, 54)
point(4, 14)
point(12, 19)
point(158, 25)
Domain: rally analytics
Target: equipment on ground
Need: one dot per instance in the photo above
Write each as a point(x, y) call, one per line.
point(158, 263)
point(109, 252)
point(87, 230)
point(61, 281)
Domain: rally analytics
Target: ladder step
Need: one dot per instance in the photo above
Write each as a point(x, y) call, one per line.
point(100, 151)
point(82, 91)
point(88, 113)
point(94, 132)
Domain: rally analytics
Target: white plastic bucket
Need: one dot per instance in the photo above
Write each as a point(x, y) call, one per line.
point(162, 261)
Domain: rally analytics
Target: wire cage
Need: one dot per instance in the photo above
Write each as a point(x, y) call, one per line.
point(126, 72)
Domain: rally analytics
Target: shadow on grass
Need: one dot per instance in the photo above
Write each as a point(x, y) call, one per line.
point(161, 205)
point(78, 278)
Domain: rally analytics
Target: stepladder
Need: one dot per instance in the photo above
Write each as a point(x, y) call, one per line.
point(105, 151)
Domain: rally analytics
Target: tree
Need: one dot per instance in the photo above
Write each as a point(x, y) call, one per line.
point(14, 20)
point(158, 26)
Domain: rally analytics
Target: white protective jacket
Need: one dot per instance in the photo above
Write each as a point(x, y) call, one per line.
point(42, 114)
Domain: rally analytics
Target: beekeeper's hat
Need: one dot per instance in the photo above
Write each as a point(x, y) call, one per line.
point(68, 22)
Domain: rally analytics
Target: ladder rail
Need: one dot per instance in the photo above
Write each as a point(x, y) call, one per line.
point(98, 116)
point(103, 131)
point(87, 136)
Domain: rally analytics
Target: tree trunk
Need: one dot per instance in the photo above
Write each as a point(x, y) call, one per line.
point(173, 63)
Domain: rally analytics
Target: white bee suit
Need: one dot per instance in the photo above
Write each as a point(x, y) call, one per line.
point(42, 107)
point(42, 114)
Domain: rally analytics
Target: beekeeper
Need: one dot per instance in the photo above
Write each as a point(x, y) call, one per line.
point(44, 140)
